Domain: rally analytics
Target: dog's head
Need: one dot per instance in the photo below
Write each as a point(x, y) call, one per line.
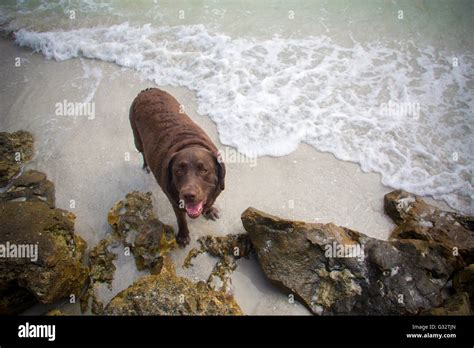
point(197, 176)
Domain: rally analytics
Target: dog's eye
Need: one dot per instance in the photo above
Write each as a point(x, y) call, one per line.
point(203, 171)
point(179, 172)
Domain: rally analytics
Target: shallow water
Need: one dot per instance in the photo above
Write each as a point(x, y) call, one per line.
point(389, 90)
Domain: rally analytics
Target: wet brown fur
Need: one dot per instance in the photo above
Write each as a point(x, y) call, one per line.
point(162, 131)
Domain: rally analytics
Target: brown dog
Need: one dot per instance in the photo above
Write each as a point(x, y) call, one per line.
point(183, 159)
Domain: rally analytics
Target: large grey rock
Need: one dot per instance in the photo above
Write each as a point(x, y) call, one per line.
point(335, 270)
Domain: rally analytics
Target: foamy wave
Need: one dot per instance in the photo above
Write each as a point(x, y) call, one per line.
point(401, 110)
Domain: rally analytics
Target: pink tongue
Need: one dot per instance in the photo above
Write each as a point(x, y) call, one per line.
point(194, 208)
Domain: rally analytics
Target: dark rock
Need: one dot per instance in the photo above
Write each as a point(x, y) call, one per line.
point(134, 221)
point(53, 272)
point(15, 149)
point(31, 186)
point(419, 220)
point(463, 281)
point(167, 294)
point(14, 300)
point(335, 270)
point(458, 304)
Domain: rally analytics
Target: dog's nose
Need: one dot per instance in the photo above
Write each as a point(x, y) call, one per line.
point(189, 196)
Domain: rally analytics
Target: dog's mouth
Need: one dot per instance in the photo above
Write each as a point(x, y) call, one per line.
point(194, 209)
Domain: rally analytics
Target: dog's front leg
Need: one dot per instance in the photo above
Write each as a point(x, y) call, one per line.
point(183, 232)
point(212, 214)
point(145, 165)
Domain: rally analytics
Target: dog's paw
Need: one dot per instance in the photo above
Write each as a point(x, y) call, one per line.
point(212, 214)
point(183, 240)
point(145, 165)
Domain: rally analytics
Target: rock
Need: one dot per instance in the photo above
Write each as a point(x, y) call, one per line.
point(53, 269)
point(220, 277)
point(228, 249)
point(102, 271)
point(15, 149)
point(335, 270)
point(167, 294)
point(55, 313)
point(463, 281)
point(40, 256)
point(134, 221)
point(419, 220)
point(102, 268)
point(232, 245)
point(14, 300)
point(137, 228)
point(193, 253)
point(458, 304)
point(31, 186)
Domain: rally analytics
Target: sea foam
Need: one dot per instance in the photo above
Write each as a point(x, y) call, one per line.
point(395, 108)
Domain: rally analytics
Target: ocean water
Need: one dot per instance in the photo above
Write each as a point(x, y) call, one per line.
point(386, 84)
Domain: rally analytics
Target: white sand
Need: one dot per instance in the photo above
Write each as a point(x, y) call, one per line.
point(86, 161)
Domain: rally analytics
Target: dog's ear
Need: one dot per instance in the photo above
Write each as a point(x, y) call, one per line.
point(168, 173)
point(220, 170)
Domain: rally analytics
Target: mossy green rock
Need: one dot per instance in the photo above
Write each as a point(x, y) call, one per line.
point(167, 294)
point(134, 221)
point(102, 268)
point(102, 271)
point(15, 149)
